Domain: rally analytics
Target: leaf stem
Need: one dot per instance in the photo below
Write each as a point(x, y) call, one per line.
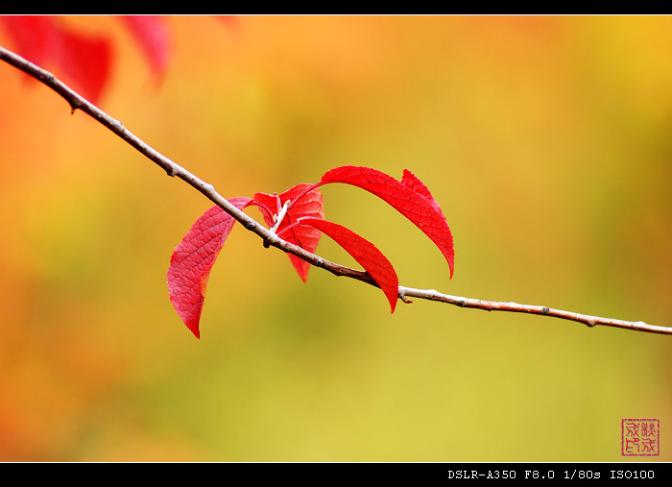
point(280, 216)
point(289, 227)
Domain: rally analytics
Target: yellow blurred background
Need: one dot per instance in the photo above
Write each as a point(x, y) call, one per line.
point(546, 140)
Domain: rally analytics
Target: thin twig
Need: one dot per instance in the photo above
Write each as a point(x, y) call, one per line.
point(77, 102)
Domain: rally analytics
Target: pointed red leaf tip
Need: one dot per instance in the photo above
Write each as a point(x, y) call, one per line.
point(193, 259)
point(151, 34)
point(83, 60)
point(374, 262)
point(410, 197)
point(309, 205)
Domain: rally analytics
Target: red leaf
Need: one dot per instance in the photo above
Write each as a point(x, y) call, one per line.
point(193, 259)
point(309, 205)
point(364, 252)
point(151, 34)
point(83, 60)
point(36, 38)
point(86, 61)
point(410, 197)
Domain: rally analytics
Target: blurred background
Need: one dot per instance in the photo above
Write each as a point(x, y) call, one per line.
point(546, 140)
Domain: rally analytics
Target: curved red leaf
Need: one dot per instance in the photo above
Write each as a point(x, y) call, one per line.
point(309, 205)
point(410, 197)
point(151, 34)
point(364, 252)
point(193, 259)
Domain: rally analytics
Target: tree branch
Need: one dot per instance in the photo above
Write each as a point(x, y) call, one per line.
point(77, 102)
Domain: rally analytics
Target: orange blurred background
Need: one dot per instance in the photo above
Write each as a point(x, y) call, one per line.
point(546, 140)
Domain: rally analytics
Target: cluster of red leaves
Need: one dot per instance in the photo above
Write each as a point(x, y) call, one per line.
point(297, 215)
point(85, 60)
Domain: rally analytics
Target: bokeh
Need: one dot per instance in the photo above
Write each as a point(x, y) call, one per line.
point(546, 141)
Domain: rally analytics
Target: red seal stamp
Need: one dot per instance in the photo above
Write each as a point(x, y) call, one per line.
point(640, 437)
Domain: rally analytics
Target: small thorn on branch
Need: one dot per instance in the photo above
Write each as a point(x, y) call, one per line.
point(74, 105)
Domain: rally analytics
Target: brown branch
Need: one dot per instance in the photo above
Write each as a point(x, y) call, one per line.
point(77, 102)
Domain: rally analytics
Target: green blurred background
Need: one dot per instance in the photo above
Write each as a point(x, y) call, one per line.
point(545, 139)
